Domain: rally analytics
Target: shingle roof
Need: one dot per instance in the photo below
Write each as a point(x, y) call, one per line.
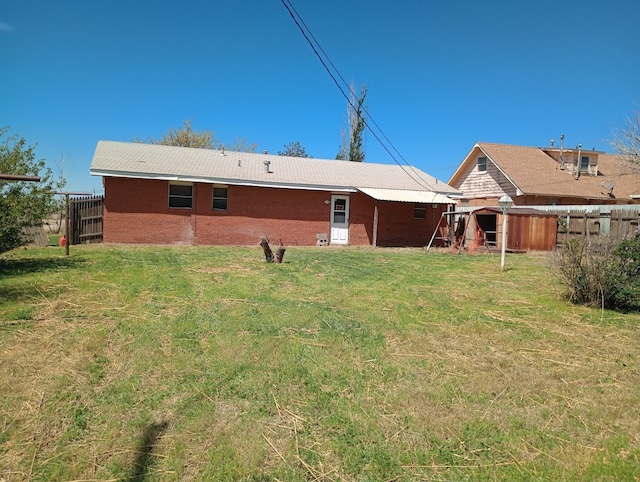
point(139, 160)
point(534, 172)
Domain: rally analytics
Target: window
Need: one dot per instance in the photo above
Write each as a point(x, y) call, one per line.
point(482, 164)
point(340, 210)
point(420, 211)
point(180, 195)
point(220, 198)
point(584, 164)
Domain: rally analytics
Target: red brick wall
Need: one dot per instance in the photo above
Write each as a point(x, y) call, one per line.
point(136, 211)
point(397, 225)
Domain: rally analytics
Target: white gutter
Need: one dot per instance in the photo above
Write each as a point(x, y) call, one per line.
point(232, 182)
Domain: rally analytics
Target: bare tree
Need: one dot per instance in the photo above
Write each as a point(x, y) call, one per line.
point(241, 145)
point(186, 137)
point(627, 140)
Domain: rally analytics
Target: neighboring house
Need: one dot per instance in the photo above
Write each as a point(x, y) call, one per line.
point(534, 177)
point(544, 176)
point(166, 195)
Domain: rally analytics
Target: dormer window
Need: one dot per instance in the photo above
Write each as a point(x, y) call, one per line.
point(482, 164)
point(584, 164)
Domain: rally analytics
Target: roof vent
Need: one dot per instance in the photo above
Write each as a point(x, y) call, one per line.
point(266, 167)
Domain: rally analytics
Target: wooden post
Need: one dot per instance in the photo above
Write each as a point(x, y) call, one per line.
point(67, 225)
point(18, 177)
point(375, 225)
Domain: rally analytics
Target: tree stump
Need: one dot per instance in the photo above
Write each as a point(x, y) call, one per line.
point(279, 254)
point(268, 254)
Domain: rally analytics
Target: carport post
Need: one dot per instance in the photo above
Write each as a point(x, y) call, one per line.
point(375, 224)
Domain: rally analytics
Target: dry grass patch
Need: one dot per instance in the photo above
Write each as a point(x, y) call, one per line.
point(356, 364)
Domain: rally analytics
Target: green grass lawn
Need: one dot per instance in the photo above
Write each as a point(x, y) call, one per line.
point(206, 363)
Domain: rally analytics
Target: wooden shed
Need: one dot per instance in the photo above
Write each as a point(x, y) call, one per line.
point(531, 230)
point(481, 229)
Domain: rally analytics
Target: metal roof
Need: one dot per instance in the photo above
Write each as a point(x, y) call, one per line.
point(406, 196)
point(515, 210)
point(150, 161)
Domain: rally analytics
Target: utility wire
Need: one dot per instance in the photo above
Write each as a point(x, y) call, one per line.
point(306, 33)
point(299, 17)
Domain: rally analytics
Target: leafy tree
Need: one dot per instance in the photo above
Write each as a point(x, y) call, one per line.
point(627, 140)
point(294, 149)
point(23, 204)
point(355, 151)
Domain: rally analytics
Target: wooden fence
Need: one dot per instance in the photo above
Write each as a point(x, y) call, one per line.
point(86, 219)
point(618, 224)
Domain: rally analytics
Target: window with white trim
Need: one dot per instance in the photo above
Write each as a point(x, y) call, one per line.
point(180, 195)
point(584, 164)
point(482, 164)
point(220, 197)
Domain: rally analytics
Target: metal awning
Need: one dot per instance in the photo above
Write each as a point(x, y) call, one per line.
point(406, 196)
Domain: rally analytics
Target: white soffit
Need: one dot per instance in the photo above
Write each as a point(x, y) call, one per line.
point(405, 196)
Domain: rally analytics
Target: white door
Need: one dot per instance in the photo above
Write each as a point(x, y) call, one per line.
point(339, 220)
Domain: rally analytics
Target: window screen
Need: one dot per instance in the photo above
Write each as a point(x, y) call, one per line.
point(220, 198)
point(180, 195)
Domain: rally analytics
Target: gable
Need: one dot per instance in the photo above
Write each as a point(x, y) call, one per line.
point(532, 171)
point(480, 177)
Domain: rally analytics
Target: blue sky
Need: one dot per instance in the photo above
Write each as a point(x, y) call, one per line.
point(441, 75)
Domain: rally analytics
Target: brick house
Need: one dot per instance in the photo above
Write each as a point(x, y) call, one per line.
point(175, 195)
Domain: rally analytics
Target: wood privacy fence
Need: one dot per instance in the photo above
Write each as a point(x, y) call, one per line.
point(618, 224)
point(86, 219)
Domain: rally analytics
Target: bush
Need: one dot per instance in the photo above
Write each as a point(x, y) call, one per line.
point(624, 277)
point(601, 272)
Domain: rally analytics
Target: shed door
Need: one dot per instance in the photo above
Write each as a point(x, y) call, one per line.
point(339, 220)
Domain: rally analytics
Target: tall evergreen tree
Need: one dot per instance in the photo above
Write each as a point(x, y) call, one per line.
point(294, 149)
point(355, 150)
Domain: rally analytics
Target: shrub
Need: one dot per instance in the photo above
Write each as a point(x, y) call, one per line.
point(601, 272)
point(624, 276)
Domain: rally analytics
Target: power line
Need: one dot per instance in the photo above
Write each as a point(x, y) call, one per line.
point(300, 23)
